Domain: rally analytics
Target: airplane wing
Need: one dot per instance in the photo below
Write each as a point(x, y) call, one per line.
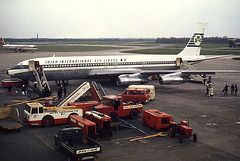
point(120, 71)
point(188, 72)
point(127, 76)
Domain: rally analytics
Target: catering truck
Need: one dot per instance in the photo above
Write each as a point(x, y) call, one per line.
point(76, 145)
point(36, 114)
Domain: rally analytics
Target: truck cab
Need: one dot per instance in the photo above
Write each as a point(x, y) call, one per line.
point(135, 95)
point(37, 114)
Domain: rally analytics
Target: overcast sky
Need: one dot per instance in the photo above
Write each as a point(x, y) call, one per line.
point(117, 18)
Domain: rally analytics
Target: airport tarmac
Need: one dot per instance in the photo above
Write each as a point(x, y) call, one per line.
point(215, 120)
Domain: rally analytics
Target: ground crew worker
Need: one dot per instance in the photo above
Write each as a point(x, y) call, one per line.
point(225, 90)
point(24, 90)
point(207, 90)
point(210, 91)
point(232, 89)
point(64, 91)
point(14, 91)
point(60, 90)
point(204, 79)
point(236, 89)
point(9, 88)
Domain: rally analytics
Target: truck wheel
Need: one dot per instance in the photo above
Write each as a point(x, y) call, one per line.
point(133, 114)
point(171, 131)
point(57, 148)
point(194, 137)
point(113, 116)
point(47, 121)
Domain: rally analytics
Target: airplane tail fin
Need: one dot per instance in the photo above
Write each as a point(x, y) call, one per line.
point(2, 42)
point(193, 46)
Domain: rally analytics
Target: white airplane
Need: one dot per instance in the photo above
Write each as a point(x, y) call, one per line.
point(125, 69)
point(16, 48)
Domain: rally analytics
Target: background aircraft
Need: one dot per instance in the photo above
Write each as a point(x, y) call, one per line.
point(18, 48)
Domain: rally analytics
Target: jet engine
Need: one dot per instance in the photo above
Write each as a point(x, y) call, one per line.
point(173, 78)
point(127, 79)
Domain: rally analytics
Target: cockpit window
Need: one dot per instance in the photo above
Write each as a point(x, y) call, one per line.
point(20, 67)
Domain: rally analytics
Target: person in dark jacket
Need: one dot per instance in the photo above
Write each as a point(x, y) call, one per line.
point(64, 91)
point(225, 90)
point(236, 89)
point(60, 91)
point(24, 90)
point(232, 89)
point(9, 88)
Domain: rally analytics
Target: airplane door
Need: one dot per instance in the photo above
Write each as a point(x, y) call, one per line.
point(31, 65)
point(178, 62)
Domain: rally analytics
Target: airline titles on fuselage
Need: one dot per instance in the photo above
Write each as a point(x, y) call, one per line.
point(82, 61)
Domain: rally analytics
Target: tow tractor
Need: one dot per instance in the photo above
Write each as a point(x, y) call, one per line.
point(182, 129)
point(160, 120)
point(36, 114)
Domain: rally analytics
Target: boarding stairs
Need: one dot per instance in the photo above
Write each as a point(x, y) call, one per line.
point(97, 91)
point(194, 78)
point(94, 88)
point(38, 72)
point(77, 93)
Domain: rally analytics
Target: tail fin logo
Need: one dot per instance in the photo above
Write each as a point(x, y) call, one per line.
point(197, 40)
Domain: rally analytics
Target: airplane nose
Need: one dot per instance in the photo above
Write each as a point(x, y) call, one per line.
point(7, 72)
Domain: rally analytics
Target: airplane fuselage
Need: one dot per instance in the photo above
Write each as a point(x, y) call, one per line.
point(67, 68)
point(20, 47)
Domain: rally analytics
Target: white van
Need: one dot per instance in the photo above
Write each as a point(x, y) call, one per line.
point(150, 88)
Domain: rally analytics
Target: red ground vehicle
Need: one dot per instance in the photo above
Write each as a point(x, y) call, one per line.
point(102, 121)
point(182, 129)
point(113, 106)
point(85, 106)
point(88, 127)
point(156, 119)
point(135, 95)
point(14, 82)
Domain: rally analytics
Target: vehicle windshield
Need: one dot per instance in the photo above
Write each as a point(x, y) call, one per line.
point(27, 108)
point(108, 102)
